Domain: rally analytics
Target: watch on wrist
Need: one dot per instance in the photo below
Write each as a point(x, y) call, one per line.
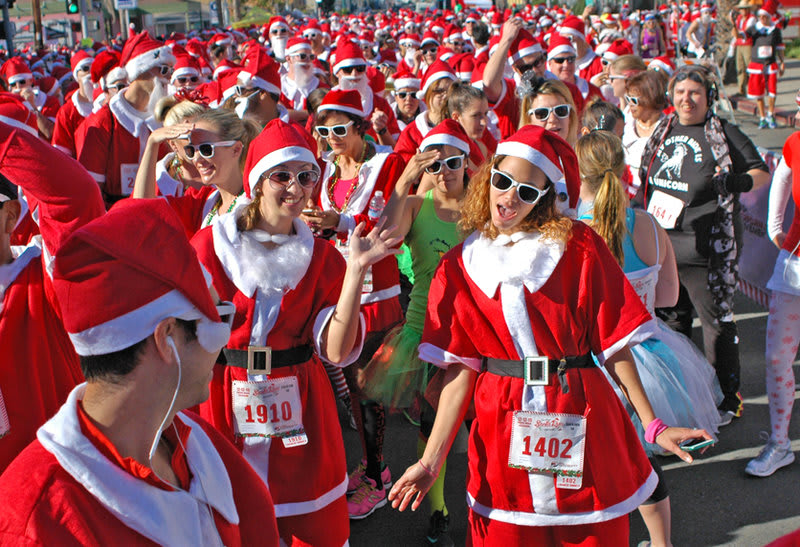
point(382, 131)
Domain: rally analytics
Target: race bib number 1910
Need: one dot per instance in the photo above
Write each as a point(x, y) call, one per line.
point(549, 443)
point(269, 409)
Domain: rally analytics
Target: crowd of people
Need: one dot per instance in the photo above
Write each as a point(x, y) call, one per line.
point(214, 244)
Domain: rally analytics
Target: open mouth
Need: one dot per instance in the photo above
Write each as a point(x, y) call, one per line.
point(505, 213)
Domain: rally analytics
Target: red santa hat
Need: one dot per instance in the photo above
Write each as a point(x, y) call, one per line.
point(559, 44)
point(348, 54)
point(452, 33)
point(430, 38)
point(449, 132)
point(464, 64)
point(616, 49)
point(260, 71)
point(14, 113)
point(278, 143)
point(15, 70)
point(573, 26)
point(547, 151)
point(80, 60)
point(220, 39)
point(224, 66)
point(48, 85)
point(388, 57)
point(662, 63)
point(116, 250)
point(106, 70)
point(437, 71)
point(524, 44)
point(770, 8)
point(405, 79)
point(341, 100)
point(185, 66)
point(409, 39)
point(277, 21)
point(142, 53)
point(297, 44)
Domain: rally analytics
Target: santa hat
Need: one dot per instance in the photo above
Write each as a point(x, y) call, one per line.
point(220, 39)
point(297, 44)
point(430, 38)
point(15, 70)
point(142, 53)
point(14, 113)
point(463, 64)
point(453, 32)
point(409, 40)
point(449, 132)
point(405, 79)
point(573, 26)
point(81, 59)
point(277, 21)
point(260, 71)
point(97, 259)
point(616, 49)
point(224, 66)
point(48, 85)
point(559, 44)
point(106, 70)
point(770, 8)
point(348, 101)
point(278, 143)
point(388, 57)
point(347, 55)
point(547, 151)
point(185, 66)
point(664, 64)
point(437, 71)
point(524, 44)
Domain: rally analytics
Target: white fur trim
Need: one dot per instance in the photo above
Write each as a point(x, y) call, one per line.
point(344, 63)
point(297, 48)
point(165, 517)
point(9, 272)
point(60, 148)
point(98, 177)
point(251, 81)
point(341, 108)
point(323, 319)
point(441, 358)
point(522, 150)
point(405, 83)
point(18, 77)
point(432, 78)
point(530, 50)
point(83, 63)
point(522, 518)
point(84, 108)
point(563, 31)
point(19, 125)
point(130, 328)
point(147, 60)
point(636, 336)
point(383, 294)
point(282, 155)
point(305, 507)
point(131, 119)
point(184, 71)
point(421, 122)
point(444, 138)
point(559, 50)
point(115, 75)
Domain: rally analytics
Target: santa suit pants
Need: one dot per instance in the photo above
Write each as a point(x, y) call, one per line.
point(485, 532)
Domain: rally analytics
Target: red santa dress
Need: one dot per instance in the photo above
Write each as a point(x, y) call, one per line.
point(538, 297)
point(71, 114)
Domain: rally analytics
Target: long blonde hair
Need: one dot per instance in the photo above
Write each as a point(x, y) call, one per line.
point(550, 87)
point(601, 161)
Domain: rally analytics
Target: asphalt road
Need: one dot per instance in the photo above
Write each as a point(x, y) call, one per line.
point(713, 501)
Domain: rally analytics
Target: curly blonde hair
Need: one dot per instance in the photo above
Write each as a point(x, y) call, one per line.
point(476, 213)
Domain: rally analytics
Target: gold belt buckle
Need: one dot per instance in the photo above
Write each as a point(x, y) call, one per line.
point(264, 367)
point(537, 371)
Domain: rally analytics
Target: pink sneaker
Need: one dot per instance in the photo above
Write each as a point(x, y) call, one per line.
point(363, 502)
point(358, 475)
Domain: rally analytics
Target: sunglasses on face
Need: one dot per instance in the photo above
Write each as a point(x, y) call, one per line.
point(276, 32)
point(562, 60)
point(338, 130)
point(632, 100)
point(616, 77)
point(605, 62)
point(115, 87)
point(304, 56)
point(453, 163)
point(164, 70)
point(349, 69)
point(543, 112)
point(183, 80)
point(429, 50)
point(312, 35)
point(404, 94)
point(226, 311)
point(457, 42)
point(530, 66)
point(206, 149)
point(527, 193)
point(84, 68)
point(280, 180)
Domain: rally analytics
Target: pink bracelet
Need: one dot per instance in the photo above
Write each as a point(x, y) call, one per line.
point(427, 469)
point(654, 429)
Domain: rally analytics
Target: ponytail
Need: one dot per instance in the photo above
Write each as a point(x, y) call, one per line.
point(252, 213)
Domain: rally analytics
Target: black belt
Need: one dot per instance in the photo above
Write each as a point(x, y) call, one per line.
point(536, 370)
point(261, 360)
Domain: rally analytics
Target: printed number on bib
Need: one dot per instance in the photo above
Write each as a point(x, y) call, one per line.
point(269, 409)
point(127, 172)
point(549, 443)
point(764, 52)
point(344, 248)
point(665, 208)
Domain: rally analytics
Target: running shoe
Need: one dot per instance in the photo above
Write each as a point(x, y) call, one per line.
point(771, 458)
point(358, 475)
point(762, 123)
point(365, 500)
point(771, 122)
point(725, 418)
point(437, 530)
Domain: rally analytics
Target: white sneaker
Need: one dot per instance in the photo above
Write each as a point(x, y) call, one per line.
point(725, 418)
point(771, 458)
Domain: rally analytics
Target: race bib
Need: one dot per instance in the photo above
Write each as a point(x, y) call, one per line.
point(344, 248)
point(269, 409)
point(763, 52)
point(665, 208)
point(127, 173)
point(544, 442)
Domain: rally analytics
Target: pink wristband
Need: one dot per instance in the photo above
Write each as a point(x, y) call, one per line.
point(427, 469)
point(654, 429)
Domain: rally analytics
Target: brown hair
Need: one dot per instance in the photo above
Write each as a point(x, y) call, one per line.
point(476, 213)
point(600, 115)
point(460, 96)
point(624, 63)
point(601, 160)
point(252, 213)
point(360, 124)
point(650, 89)
point(441, 115)
point(230, 128)
point(550, 87)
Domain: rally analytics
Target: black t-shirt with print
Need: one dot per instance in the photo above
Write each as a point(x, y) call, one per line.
point(683, 167)
point(765, 44)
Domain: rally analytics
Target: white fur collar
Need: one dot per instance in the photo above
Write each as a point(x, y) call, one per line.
point(586, 60)
point(252, 266)
point(84, 108)
point(422, 124)
point(290, 87)
point(130, 118)
point(9, 272)
point(167, 518)
point(583, 86)
point(528, 260)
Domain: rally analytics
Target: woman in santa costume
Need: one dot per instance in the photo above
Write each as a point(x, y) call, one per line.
point(355, 172)
point(296, 303)
point(514, 315)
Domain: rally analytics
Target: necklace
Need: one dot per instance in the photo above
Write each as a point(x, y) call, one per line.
point(335, 180)
point(214, 210)
point(646, 127)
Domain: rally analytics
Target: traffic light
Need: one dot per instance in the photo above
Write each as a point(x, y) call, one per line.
point(72, 6)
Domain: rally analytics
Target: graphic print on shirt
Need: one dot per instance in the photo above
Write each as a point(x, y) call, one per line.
point(680, 155)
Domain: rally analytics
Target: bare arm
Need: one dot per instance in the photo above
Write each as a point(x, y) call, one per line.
point(760, 178)
point(493, 73)
point(145, 184)
point(398, 210)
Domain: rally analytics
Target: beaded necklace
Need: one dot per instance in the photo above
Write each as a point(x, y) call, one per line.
point(335, 180)
point(215, 209)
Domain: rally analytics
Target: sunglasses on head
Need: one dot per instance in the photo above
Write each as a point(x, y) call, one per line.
point(543, 112)
point(304, 56)
point(632, 100)
point(284, 179)
point(206, 149)
point(404, 94)
point(453, 163)
point(338, 130)
point(562, 60)
point(349, 69)
point(527, 193)
point(183, 80)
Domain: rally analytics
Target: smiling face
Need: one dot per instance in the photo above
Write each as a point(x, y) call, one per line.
point(224, 164)
point(507, 210)
point(341, 145)
point(553, 123)
point(281, 202)
point(564, 70)
point(690, 101)
point(446, 182)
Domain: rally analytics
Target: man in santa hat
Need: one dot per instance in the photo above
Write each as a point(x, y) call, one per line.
point(299, 80)
point(120, 463)
point(19, 80)
point(111, 144)
point(78, 105)
point(108, 78)
point(407, 105)
point(561, 61)
point(187, 74)
point(278, 32)
point(587, 63)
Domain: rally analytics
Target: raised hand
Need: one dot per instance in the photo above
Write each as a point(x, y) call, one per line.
point(373, 247)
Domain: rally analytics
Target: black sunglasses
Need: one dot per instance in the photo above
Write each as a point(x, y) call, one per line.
point(304, 56)
point(183, 80)
point(525, 68)
point(404, 94)
point(562, 60)
point(349, 69)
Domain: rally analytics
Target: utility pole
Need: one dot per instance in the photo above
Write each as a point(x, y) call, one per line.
point(38, 34)
point(8, 27)
point(84, 19)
